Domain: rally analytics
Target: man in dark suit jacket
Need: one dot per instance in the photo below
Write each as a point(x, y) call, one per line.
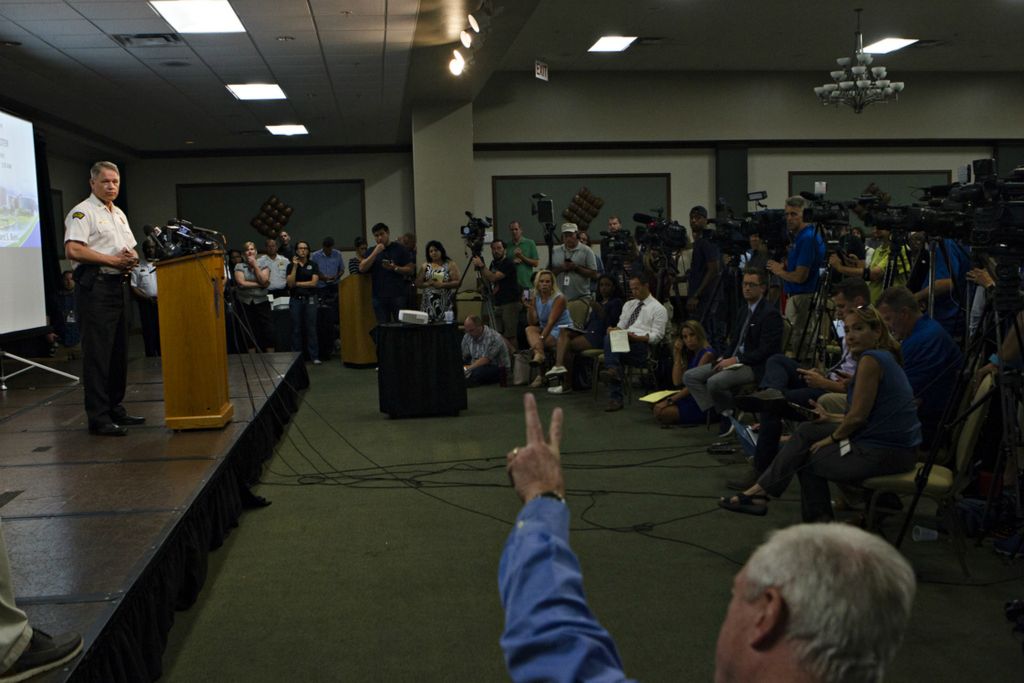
point(755, 336)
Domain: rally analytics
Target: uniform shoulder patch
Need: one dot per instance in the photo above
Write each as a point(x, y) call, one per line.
point(78, 214)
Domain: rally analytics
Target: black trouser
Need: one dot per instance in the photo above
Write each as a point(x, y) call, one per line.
point(816, 470)
point(102, 309)
point(149, 321)
point(327, 317)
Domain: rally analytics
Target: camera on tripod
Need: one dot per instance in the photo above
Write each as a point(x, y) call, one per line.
point(475, 231)
point(658, 232)
point(732, 235)
point(617, 242)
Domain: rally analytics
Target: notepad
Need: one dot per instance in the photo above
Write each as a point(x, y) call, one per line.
point(656, 396)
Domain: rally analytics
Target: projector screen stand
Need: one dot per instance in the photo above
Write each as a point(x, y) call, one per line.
point(32, 364)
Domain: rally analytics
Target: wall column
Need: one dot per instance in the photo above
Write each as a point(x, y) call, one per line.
point(442, 169)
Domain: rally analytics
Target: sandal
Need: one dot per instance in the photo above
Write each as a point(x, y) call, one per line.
point(745, 504)
point(538, 359)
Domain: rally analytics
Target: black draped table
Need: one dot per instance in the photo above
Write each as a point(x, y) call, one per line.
point(420, 370)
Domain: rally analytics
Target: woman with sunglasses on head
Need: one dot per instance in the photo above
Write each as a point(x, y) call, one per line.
point(878, 435)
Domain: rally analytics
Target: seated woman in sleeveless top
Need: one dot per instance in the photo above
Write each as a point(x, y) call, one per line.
point(690, 349)
point(546, 315)
point(878, 435)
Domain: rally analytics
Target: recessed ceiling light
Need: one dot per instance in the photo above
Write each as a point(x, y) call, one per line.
point(257, 91)
point(887, 45)
point(199, 16)
point(288, 129)
point(612, 43)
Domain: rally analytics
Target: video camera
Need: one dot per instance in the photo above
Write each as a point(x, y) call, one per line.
point(474, 231)
point(617, 242)
point(732, 236)
point(657, 232)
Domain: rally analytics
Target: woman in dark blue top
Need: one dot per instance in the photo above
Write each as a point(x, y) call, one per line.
point(878, 435)
point(691, 349)
point(604, 313)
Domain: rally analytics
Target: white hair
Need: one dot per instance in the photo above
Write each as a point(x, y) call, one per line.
point(100, 166)
point(848, 595)
point(796, 201)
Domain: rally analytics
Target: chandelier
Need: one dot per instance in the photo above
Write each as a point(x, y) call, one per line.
point(856, 83)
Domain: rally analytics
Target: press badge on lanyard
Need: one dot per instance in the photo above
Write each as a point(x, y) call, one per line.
point(566, 280)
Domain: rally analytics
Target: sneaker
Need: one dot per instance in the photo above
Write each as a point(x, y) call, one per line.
point(318, 362)
point(726, 428)
point(1011, 546)
point(44, 652)
point(555, 371)
point(558, 390)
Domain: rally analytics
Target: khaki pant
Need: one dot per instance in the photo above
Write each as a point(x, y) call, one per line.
point(507, 320)
point(798, 309)
point(15, 633)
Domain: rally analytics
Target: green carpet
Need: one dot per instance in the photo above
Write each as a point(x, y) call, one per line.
point(362, 573)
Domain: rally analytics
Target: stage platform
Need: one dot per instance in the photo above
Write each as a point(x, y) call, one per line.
point(109, 536)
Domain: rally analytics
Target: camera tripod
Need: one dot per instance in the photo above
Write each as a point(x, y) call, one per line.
point(483, 286)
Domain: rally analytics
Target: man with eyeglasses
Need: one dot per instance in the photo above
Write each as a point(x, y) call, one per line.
point(757, 335)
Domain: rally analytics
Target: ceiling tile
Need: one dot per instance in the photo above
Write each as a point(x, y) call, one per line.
point(115, 10)
point(58, 27)
point(93, 40)
point(37, 11)
point(115, 26)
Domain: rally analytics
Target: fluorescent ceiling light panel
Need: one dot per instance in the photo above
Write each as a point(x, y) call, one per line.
point(199, 16)
point(887, 45)
point(257, 91)
point(612, 43)
point(288, 129)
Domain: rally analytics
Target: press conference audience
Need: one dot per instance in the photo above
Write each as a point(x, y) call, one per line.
point(690, 350)
point(438, 278)
point(353, 263)
point(784, 381)
point(756, 335)
point(704, 292)
point(644, 321)
point(387, 263)
point(879, 434)
point(950, 280)
point(603, 312)
point(546, 315)
point(815, 602)
point(501, 278)
point(875, 269)
point(484, 354)
point(574, 263)
point(251, 282)
point(277, 264)
point(931, 359)
point(302, 280)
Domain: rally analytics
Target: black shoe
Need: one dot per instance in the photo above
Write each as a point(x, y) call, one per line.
point(613, 406)
point(108, 429)
point(126, 419)
point(44, 652)
point(764, 401)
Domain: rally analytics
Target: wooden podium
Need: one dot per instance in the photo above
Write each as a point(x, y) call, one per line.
point(357, 319)
point(193, 341)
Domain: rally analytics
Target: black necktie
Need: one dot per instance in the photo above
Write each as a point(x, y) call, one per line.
point(743, 332)
point(634, 315)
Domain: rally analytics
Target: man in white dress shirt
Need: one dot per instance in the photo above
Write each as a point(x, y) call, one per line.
point(644, 320)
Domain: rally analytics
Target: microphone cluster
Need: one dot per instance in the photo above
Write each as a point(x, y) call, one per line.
point(181, 238)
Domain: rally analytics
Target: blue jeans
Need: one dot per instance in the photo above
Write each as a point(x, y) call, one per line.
point(303, 312)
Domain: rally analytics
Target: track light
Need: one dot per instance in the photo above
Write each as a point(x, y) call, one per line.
point(466, 38)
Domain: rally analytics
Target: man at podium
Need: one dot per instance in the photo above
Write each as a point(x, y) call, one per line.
point(98, 239)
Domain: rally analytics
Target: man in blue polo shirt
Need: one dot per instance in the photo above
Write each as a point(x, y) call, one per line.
point(800, 274)
point(387, 263)
point(951, 266)
point(331, 265)
point(931, 358)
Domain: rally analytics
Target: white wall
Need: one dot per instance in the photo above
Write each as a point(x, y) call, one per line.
point(628, 106)
point(768, 169)
point(388, 182)
point(692, 172)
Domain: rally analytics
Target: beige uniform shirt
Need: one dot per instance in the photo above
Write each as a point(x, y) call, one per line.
point(102, 230)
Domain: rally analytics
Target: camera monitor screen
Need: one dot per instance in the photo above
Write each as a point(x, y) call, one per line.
point(22, 300)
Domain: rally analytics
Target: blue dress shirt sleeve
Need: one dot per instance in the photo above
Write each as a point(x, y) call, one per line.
point(550, 633)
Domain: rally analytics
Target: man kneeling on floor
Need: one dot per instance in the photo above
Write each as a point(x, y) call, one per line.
point(816, 602)
point(484, 353)
point(644, 320)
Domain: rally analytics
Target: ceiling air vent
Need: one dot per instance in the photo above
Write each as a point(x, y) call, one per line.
point(148, 39)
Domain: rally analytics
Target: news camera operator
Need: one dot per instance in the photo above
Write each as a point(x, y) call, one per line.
point(800, 273)
point(874, 269)
point(950, 280)
point(505, 291)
